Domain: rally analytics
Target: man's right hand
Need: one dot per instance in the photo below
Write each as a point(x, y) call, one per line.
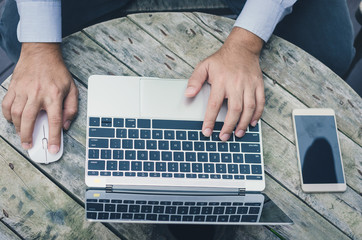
point(41, 81)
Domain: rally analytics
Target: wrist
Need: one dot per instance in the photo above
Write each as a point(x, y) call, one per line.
point(34, 49)
point(240, 38)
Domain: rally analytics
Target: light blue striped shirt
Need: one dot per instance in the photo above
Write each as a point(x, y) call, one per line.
point(40, 20)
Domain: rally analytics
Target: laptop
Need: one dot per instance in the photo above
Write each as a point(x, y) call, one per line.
point(148, 162)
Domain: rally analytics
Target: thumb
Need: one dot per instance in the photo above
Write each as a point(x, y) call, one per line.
point(196, 80)
point(70, 106)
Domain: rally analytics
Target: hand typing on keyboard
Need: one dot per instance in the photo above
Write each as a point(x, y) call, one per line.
point(234, 73)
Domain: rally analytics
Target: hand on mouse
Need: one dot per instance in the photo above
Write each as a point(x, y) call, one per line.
point(41, 81)
point(234, 73)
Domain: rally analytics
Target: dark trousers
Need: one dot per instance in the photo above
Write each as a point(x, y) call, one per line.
point(320, 27)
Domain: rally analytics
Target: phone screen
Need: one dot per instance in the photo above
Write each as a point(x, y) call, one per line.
point(318, 149)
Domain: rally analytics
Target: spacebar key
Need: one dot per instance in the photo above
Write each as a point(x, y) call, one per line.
point(176, 124)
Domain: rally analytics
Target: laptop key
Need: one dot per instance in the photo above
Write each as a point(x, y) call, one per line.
point(206, 210)
point(209, 168)
point(202, 157)
point(106, 122)
point(130, 174)
point(123, 165)
point(192, 135)
point(256, 169)
point(105, 173)
point(222, 147)
point(117, 154)
point(158, 209)
point(92, 173)
point(215, 136)
point(204, 176)
point(146, 209)
point(239, 177)
point(179, 175)
point(215, 176)
point(178, 156)
point(252, 158)
point(94, 121)
point(133, 133)
point(127, 216)
point(250, 177)
point(254, 129)
point(110, 207)
point(250, 147)
point(142, 174)
point(91, 215)
point(166, 156)
point(94, 206)
point(234, 218)
point(130, 122)
point(191, 175)
point(139, 216)
point(157, 134)
point(187, 146)
point(214, 157)
point(111, 165)
point(117, 174)
point(172, 167)
point(249, 218)
point(139, 144)
point(238, 158)
point(148, 166)
point(233, 168)
point(182, 210)
point(93, 153)
point(223, 218)
point(101, 132)
point(102, 215)
point(211, 218)
point(199, 146)
point(190, 156)
point(163, 217)
point(167, 175)
point(195, 210)
point(181, 135)
point(154, 155)
point(225, 157)
point(134, 208)
point(227, 177)
point(219, 210)
point(98, 143)
point(163, 145)
point(234, 147)
point(199, 218)
point(145, 134)
point(175, 145)
point(118, 122)
point(96, 165)
point(151, 217)
point(249, 137)
point(230, 210)
point(221, 168)
point(203, 137)
point(136, 166)
point(244, 169)
point(160, 166)
point(143, 123)
point(211, 146)
point(127, 144)
point(151, 144)
point(170, 210)
point(106, 154)
point(142, 155)
point(115, 143)
point(185, 167)
point(130, 155)
point(176, 218)
point(152, 174)
point(169, 134)
point(196, 167)
point(121, 133)
point(242, 210)
point(254, 210)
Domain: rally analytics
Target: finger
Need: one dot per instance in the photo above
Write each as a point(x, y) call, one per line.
point(235, 106)
point(54, 112)
point(260, 102)
point(17, 110)
point(70, 107)
point(212, 110)
point(30, 113)
point(6, 105)
point(196, 80)
point(248, 111)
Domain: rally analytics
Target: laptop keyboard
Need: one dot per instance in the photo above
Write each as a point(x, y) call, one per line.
point(158, 148)
point(172, 211)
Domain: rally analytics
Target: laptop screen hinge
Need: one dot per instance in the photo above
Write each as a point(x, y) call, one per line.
point(109, 188)
point(241, 192)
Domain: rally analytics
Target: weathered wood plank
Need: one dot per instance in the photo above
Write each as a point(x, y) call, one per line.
point(35, 207)
point(302, 75)
point(84, 58)
point(179, 34)
point(6, 233)
point(137, 50)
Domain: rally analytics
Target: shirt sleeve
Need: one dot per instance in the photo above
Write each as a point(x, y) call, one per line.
point(40, 21)
point(261, 16)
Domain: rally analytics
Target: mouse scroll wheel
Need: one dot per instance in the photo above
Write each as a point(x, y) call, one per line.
point(45, 143)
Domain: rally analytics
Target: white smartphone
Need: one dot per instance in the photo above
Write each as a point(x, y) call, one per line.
point(319, 154)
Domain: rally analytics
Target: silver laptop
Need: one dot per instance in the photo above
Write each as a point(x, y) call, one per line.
point(147, 160)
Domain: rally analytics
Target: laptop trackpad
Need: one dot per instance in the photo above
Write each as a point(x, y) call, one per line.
point(165, 99)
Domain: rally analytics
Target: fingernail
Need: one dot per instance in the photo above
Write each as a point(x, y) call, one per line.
point(225, 137)
point(240, 133)
point(190, 90)
point(254, 123)
point(67, 124)
point(207, 132)
point(53, 149)
point(26, 146)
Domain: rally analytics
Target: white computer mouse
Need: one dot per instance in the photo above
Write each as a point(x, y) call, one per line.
point(39, 152)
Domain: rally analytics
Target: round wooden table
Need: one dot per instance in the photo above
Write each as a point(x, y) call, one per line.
point(47, 201)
